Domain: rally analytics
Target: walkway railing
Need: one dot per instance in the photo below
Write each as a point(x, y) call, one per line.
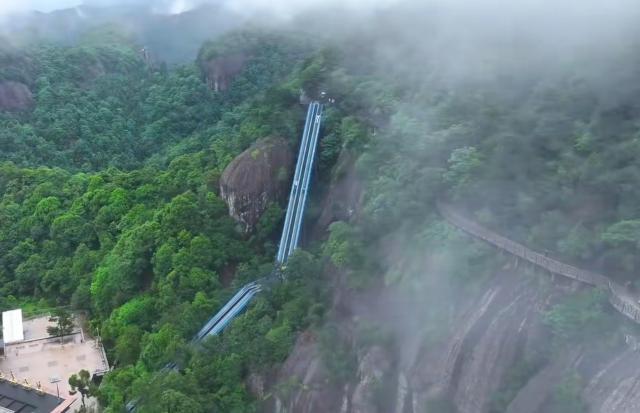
point(619, 297)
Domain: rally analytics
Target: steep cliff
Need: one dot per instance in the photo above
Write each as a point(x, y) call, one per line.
point(220, 71)
point(256, 178)
point(496, 355)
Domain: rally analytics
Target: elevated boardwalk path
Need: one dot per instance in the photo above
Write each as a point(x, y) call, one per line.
point(619, 297)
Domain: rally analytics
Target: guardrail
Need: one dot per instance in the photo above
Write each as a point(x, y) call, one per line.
point(619, 297)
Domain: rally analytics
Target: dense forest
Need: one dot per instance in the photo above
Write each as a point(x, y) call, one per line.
point(110, 205)
point(110, 198)
point(102, 184)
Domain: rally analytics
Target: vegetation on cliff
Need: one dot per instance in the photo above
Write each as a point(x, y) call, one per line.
point(110, 199)
point(110, 204)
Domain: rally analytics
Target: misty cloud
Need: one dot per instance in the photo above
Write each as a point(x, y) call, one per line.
point(16, 6)
point(465, 38)
point(289, 8)
point(545, 9)
point(283, 8)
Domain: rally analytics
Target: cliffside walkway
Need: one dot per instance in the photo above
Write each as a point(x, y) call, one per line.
point(619, 297)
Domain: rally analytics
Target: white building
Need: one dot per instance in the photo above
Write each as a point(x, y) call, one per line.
point(12, 330)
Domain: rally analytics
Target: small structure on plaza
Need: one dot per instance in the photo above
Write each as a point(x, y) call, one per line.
point(12, 329)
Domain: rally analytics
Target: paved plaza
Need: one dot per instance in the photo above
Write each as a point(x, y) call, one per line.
point(40, 358)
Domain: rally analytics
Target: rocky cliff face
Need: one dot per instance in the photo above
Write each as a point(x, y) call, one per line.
point(493, 353)
point(257, 177)
point(303, 382)
point(343, 199)
point(15, 96)
point(492, 339)
point(502, 328)
point(220, 71)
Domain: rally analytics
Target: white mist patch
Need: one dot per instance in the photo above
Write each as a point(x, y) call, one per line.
point(289, 8)
point(173, 7)
point(180, 6)
point(19, 6)
point(80, 13)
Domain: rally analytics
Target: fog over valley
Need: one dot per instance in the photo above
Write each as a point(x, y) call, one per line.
point(385, 206)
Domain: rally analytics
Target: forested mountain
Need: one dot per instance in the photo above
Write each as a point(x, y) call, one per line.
point(110, 203)
point(172, 38)
point(110, 198)
point(100, 104)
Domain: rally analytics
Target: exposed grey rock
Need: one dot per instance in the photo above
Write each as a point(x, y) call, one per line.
point(256, 178)
point(256, 385)
point(533, 396)
point(489, 336)
point(303, 384)
point(615, 388)
point(221, 71)
point(344, 196)
point(372, 371)
point(402, 392)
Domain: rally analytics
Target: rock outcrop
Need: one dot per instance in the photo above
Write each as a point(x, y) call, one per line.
point(483, 350)
point(501, 329)
point(615, 385)
point(344, 197)
point(256, 178)
point(499, 332)
point(373, 370)
point(220, 71)
point(15, 96)
point(303, 382)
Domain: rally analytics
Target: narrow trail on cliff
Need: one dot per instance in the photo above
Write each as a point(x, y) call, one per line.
point(619, 297)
